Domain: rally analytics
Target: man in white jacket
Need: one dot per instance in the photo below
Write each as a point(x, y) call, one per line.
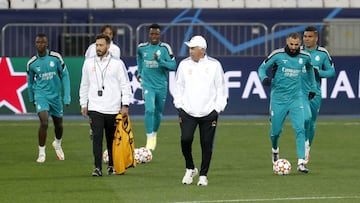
point(105, 91)
point(114, 49)
point(200, 95)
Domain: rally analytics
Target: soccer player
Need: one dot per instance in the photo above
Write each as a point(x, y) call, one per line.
point(114, 49)
point(324, 68)
point(46, 74)
point(105, 91)
point(200, 95)
point(154, 59)
point(286, 93)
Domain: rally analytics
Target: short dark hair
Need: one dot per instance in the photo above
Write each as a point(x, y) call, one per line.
point(310, 29)
point(154, 26)
point(103, 28)
point(294, 35)
point(103, 36)
point(41, 35)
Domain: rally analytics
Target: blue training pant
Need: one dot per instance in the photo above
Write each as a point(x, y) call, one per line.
point(154, 105)
point(278, 113)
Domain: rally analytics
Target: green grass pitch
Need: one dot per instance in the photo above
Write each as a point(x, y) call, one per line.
point(240, 171)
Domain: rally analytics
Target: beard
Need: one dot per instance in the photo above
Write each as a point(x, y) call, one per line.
point(292, 52)
point(100, 53)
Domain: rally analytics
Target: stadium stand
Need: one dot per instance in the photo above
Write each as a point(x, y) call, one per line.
point(257, 3)
point(179, 4)
point(22, 4)
point(206, 4)
point(310, 3)
point(283, 4)
point(153, 4)
point(160, 4)
point(75, 4)
point(336, 3)
point(4, 4)
point(101, 4)
point(48, 4)
point(126, 3)
point(354, 3)
point(231, 4)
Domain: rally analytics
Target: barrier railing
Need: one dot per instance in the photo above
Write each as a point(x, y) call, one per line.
point(18, 40)
point(224, 39)
point(279, 32)
point(340, 36)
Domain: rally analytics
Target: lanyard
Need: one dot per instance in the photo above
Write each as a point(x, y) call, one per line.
point(103, 73)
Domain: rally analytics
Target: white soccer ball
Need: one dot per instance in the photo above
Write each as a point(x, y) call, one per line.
point(137, 156)
point(142, 155)
point(146, 155)
point(282, 167)
point(106, 156)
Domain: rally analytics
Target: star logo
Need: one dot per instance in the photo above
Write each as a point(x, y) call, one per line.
point(12, 84)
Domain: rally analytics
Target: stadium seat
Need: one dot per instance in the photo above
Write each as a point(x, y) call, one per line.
point(101, 4)
point(48, 4)
point(179, 3)
point(206, 4)
point(22, 4)
point(283, 4)
point(126, 3)
point(153, 4)
point(354, 3)
point(231, 3)
point(336, 4)
point(257, 3)
point(74, 4)
point(4, 4)
point(310, 4)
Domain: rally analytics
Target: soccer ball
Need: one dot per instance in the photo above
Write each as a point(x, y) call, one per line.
point(142, 155)
point(137, 156)
point(106, 156)
point(146, 155)
point(282, 167)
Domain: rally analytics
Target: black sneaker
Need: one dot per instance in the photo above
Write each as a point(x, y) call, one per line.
point(110, 170)
point(97, 172)
point(302, 168)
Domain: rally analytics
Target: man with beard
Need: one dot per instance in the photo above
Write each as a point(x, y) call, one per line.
point(288, 65)
point(105, 91)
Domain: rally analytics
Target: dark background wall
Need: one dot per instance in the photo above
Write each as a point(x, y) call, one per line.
point(342, 92)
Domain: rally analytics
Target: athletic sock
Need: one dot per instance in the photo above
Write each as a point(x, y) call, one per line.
point(275, 150)
point(301, 161)
point(149, 135)
point(58, 142)
point(42, 149)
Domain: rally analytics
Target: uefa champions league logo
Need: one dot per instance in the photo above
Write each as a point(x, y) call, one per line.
point(135, 86)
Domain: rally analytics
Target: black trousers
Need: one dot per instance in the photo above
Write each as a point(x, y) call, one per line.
point(207, 128)
point(100, 122)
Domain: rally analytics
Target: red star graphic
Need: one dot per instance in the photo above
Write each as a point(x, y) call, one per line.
point(12, 84)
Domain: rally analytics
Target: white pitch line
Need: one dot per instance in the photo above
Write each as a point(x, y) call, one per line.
point(85, 123)
point(273, 199)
